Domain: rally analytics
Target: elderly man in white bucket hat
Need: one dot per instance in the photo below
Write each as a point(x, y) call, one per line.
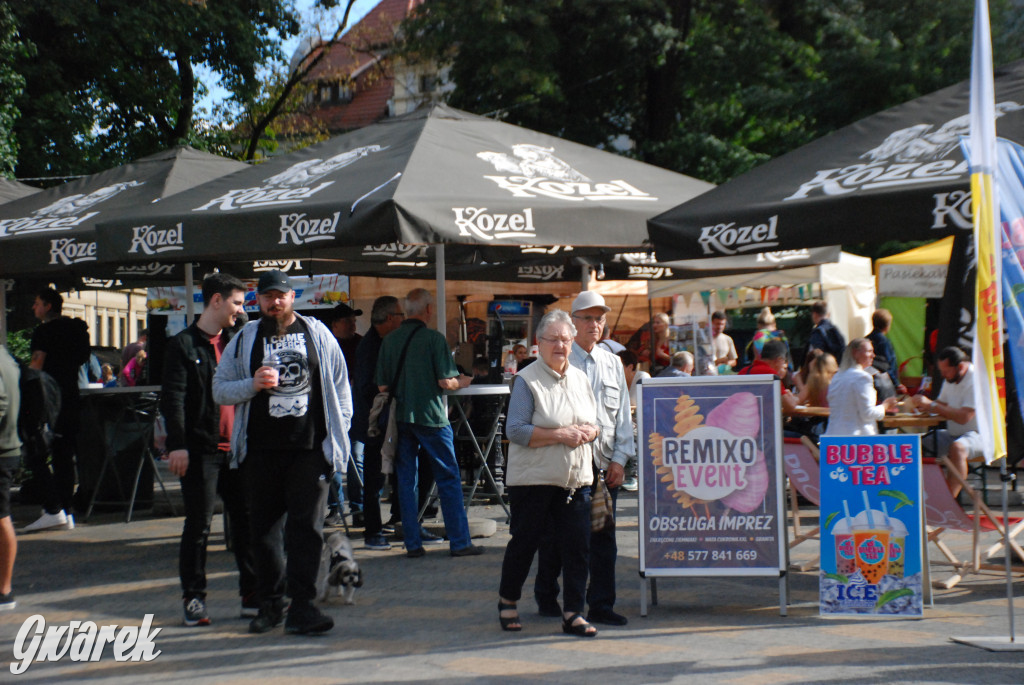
point(614, 447)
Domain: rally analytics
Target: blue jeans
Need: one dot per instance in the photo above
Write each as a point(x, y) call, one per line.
point(438, 449)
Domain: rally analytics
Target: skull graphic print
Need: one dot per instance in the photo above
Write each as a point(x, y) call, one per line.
point(291, 395)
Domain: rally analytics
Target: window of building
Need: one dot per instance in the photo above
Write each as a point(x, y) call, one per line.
point(428, 83)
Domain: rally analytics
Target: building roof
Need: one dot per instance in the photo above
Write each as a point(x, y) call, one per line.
point(358, 57)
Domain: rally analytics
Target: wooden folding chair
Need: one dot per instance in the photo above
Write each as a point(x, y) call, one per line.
point(943, 512)
point(800, 461)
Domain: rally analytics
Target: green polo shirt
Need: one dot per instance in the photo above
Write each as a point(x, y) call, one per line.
point(427, 361)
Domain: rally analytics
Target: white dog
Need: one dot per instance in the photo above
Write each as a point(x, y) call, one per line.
point(338, 570)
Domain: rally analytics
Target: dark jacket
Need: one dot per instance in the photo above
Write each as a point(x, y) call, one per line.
point(885, 356)
point(827, 337)
point(363, 387)
point(193, 418)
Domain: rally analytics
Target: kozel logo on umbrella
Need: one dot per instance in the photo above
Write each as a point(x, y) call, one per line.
point(540, 272)
point(535, 171)
point(396, 251)
point(909, 156)
point(294, 184)
point(153, 240)
point(65, 213)
point(69, 251)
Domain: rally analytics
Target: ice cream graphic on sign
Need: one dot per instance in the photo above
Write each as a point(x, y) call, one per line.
point(716, 460)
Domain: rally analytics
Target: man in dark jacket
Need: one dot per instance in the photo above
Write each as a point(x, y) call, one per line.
point(386, 316)
point(825, 336)
point(60, 345)
point(198, 442)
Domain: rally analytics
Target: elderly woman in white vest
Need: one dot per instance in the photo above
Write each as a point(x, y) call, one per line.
point(551, 423)
point(852, 401)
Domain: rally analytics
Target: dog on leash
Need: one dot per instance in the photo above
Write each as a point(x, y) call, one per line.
point(339, 572)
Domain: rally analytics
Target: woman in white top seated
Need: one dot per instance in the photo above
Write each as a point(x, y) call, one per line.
point(851, 394)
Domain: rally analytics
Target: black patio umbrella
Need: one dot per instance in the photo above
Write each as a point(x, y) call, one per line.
point(12, 190)
point(897, 174)
point(52, 233)
point(435, 176)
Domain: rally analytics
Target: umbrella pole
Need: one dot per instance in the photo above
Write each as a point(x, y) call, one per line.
point(439, 266)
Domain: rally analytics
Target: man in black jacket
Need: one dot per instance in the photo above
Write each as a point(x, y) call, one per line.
point(825, 336)
point(198, 442)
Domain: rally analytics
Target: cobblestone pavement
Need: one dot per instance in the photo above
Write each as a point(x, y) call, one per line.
point(434, 620)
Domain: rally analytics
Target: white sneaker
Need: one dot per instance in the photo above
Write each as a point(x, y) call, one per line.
point(47, 521)
point(71, 522)
point(630, 485)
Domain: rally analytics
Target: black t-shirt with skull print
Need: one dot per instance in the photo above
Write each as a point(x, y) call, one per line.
point(290, 416)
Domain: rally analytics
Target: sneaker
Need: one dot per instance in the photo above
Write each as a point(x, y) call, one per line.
point(607, 617)
point(70, 525)
point(428, 538)
point(306, 619)
point(7, 601)
point(630, 484)
point(377, 542)
point(389, 527)
point(250, 606)
point(415, 553)
point(195, 612)
point(471, 551)
point(334, 520)
point(48, 521)
point(270, 615)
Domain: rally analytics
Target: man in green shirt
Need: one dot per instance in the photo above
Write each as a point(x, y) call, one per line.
point(426, 372)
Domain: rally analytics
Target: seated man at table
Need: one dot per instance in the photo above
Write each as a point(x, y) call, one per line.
point(773, 361)
point(959, 441)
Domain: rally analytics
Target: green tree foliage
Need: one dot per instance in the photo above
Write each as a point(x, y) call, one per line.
point(11, 85)
point(113, 80)
point(705, 87)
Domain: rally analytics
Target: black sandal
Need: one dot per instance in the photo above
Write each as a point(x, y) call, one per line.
point(511, 623)
point(569, 627)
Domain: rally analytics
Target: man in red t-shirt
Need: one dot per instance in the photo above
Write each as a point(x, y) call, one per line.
point(199, 446)
point(773, 361)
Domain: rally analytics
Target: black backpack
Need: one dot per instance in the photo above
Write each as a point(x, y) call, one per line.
point(40, 407)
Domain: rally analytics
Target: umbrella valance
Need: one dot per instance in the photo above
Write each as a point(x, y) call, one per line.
point(897, 174)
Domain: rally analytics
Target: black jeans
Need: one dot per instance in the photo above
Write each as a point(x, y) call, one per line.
point(603, 554)
point(292, 483)
point(207, 476)
point(373, 481)
point(541, 512)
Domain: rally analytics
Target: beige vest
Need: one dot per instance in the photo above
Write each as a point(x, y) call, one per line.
point(557, 401)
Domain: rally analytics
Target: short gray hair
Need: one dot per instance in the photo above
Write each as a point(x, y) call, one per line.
point(417, 301)
point(383, 307)
point(551, 318)
point(682, 359)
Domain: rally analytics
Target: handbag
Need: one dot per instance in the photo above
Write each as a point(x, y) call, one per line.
point(601, 516)
point(389, 447)
point(382, 411)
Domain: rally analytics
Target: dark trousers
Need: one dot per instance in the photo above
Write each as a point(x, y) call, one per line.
point(603, 554)
point(425, 482)
point(540, 512)
point(207, 476)
point(292, 483)
point(373, 481)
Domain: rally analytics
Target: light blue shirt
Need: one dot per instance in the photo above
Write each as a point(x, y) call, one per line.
point(608, 381)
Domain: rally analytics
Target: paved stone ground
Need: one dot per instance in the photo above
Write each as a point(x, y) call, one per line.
point(434, 620)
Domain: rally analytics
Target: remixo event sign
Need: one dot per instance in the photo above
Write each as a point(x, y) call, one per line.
point(871, 538)
point(711, 478)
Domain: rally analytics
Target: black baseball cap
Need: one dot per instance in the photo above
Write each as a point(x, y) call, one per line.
point(275, 279)
point(343, 311)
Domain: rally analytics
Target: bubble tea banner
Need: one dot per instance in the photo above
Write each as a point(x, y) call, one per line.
point(871, 541)
point(710, 496)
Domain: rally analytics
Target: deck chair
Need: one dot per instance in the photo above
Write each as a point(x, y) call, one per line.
point(800, 462)
point(943, 512)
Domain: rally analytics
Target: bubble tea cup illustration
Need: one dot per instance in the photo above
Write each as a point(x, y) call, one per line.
point(842, 532)
point(871, 544)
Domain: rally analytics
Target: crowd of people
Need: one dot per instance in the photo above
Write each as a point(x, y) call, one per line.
point(268, 416)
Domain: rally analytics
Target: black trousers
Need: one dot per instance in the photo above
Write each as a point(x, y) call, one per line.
point(207, 476)
point(293, 484)
point(373, 481)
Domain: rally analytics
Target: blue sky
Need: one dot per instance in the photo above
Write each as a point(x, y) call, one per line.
point(305, 7)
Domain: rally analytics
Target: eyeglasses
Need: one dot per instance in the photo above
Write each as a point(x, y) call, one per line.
point(556, 341)
point(400, 314)
point(590, 319)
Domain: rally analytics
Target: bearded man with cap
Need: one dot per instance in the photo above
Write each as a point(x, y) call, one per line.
point(613, 448)
point(287, 378)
